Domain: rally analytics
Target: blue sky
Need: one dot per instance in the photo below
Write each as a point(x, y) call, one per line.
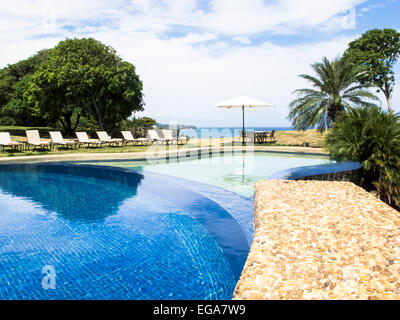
point(192, 54)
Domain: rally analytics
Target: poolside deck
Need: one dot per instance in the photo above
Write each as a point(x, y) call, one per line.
point(321, 240)
point(161, 151)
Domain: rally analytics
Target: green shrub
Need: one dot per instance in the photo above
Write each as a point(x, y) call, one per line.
point(88, 124)
point(7, 121)
point(372, 137)
point(138, 126)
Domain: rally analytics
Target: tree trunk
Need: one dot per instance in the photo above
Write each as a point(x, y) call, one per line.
point(77, 122)
point(386, 92)
point(334, 111)
point(66, 124)
point(100, 120)
point(63, 124)
point(66, 121)
point(389, 103)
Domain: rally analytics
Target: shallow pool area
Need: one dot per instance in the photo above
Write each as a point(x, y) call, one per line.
point(236, 172)
point(112, 233)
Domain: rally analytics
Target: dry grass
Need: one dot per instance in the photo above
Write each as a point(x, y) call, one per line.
point(314, 139)
point(297, 138)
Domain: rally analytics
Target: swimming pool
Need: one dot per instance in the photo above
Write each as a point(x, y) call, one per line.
point(236, 172)
point(164, 229)
point(112, 233)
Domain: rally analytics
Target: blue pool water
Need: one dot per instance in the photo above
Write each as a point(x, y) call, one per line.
point(236, 172)
point(115, 234)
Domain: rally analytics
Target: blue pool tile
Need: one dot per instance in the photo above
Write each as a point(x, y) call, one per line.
point(113, 234)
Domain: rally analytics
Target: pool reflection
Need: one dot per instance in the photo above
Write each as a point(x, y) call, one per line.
point(81, 198)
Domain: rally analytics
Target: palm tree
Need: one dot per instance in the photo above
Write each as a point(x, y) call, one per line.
point(336, 89)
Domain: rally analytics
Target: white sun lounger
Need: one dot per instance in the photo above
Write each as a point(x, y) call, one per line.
point(105, 138)
point(5, 141)
point(84, 139)
point(154, 137)
point(128, 138)
point(58, 140)
point(33, 138)
point(179, 140)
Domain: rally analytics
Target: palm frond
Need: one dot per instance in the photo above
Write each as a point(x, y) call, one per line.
point(335, 90)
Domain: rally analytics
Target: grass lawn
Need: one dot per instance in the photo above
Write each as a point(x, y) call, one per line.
point(19, 132)
point(297, 138)
point(285, 138)
point(314, 138)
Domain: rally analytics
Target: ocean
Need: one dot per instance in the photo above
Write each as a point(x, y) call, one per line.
point(218, 132)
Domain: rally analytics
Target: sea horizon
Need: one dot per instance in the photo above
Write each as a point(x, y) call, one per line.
point(216, 132)
point(246, 128)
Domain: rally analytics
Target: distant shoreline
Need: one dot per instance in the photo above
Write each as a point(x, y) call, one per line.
point(286, 128)
point(215, 132)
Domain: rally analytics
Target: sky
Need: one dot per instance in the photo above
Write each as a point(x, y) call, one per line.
point(192, 54)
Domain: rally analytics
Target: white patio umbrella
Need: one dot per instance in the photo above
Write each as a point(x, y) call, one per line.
point(242, 102)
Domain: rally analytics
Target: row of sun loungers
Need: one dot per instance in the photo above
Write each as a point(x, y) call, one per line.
point(168, 138)
point(57, 140)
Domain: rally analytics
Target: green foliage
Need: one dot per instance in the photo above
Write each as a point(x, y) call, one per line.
point(19, 109)
point(7, 121)
point(372, 137)
point(377, 50)
point(335, 89)
point(29, 66)
point(84, 77)
point(144, 122)
point(20, 131)
point(14, 82)
point(7, 82)
point(88, 124)
point(138, 125)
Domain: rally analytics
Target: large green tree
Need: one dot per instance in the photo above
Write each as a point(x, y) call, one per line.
point(86, 77)
point(335, 89)
point(377, 50)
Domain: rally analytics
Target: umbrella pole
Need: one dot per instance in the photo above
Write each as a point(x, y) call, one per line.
point(243, 133)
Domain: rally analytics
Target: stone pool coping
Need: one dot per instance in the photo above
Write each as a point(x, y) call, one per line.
point(321, 240)
point(316, 170)
point(173, 153)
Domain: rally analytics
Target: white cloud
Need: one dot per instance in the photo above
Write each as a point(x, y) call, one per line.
point(241, 39)
point(184, 54)
point(376, 5)
point(225, 17)
point(180, 90)
point(254, 16)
